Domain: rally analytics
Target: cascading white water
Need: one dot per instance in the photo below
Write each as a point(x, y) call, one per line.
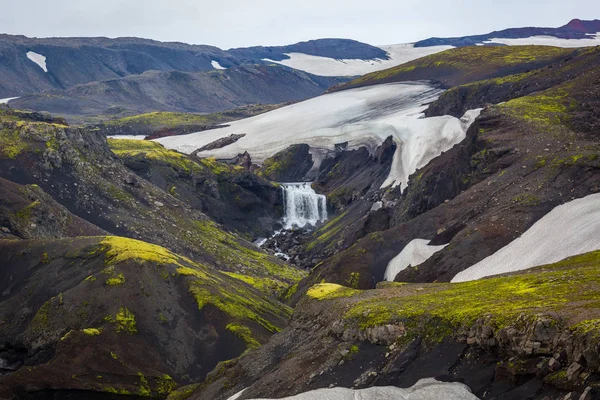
point(302, 205)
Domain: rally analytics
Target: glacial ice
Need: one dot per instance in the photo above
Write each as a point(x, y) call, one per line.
point(325, 66)
point(361, 117)
point(425, 389)
point(570, 229)
point(416, 252)
point(38, 59)
point(130, 137)
point(216, 65)
point(592, 40)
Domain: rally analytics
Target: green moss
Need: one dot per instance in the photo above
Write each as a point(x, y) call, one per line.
point(92, 331)
point(165, 385)
point(328, 291)
point(527, 199)
point(219, 168)
point(265, 285)
point(125, 321)
point(290, 292)
point(234, 300)
point(184, 392)
point(11, 143)
point(144, 386)
point(116, 280)
point(119, 249)
point(25, 212)
point(547, 108)
point(472, 61)
point(354, 280)
point(442, 309)
point(154, 151)
point(244, 333)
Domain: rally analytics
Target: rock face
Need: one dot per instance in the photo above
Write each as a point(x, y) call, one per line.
point(116, 315)
point(289, 165)
point(230, 195)
point(497, 342)
point(217, 144)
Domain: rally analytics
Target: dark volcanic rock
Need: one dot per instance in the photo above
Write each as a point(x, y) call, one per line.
point(289, 165)
point(219, 143)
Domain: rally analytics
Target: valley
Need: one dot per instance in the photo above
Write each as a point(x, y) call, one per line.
point(325, 220)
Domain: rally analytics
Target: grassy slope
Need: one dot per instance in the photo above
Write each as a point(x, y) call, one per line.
point(569, 290)
point(466, 64)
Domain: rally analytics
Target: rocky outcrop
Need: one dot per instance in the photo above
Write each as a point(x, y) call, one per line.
point(231, 195)
point(27, 212)
point(289, 165)
point(217, 144)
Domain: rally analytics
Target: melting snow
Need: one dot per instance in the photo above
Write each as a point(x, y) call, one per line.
point(38, 59)
point(569, 229)
point(216, 65)
point(593, 40)
point(416, 252)
point(325, 66)
point(5, 101)
point(425, 389)
point(361, 117)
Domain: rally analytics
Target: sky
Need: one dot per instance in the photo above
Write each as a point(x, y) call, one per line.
point(241, 23)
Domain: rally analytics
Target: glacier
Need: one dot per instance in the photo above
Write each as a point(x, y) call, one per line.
point(326, 66)
point(362, 117)
point(568, 230)
point(592, 40)
point(414, 253)
point(425, 389)
point(39, 59)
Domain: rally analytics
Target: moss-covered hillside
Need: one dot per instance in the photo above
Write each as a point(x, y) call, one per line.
point(494, 335)
point(162, 123)
point(115, 315)
point(466, 64)
point(77, 169)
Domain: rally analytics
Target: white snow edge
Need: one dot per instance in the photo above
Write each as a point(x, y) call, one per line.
point(414, 253)
point(216, 65)
point(568, 230)
point(39, 59)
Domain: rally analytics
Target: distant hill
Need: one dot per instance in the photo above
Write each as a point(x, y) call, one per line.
point(576, 29)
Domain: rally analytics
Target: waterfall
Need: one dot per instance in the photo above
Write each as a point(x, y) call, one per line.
point(302, 205)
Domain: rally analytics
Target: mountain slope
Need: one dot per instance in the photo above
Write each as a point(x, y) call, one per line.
point(467, 64)
point(76, 167)
point(109, 315)
point(182, 92)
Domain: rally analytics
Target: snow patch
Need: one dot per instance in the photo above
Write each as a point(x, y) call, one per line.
point(416, 252)
point(38, 59)
point(216, 65)
point(237, 395)
point(131, 137)
point(425, 389)
point(568, 230)
point(325, 66)
point(592, 40)
point(5, 101)
point(362, 117)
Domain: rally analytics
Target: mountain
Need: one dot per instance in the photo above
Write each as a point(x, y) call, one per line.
point(450, 250)
point(575, 30)
point(73, 61)
point(176, 91)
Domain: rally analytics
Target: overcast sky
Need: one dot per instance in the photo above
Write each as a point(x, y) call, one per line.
point(237, 23)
